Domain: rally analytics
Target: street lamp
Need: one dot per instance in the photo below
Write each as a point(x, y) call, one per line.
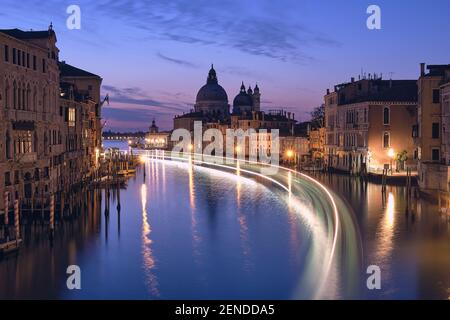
point(289, 155)
point(237, 150)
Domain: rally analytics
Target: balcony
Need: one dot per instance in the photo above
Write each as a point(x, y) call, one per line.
point(29, 157)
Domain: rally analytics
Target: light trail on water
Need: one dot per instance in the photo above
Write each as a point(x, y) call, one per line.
point(297, 184)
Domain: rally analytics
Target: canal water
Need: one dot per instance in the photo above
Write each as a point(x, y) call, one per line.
point(411, 247)
point(186, 233)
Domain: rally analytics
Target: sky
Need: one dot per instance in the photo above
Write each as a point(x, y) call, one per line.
point(154, 55)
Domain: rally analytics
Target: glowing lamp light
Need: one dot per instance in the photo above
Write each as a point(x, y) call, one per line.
point(289, 153)
point(391, 153)
point(190, 147)
point(238, 149)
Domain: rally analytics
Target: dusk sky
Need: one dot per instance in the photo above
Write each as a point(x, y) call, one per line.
point(153, 56)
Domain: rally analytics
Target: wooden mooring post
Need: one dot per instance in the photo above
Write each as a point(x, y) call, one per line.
point(6, 217)
point(384, 180)
point(52, 217)
point(16, 219)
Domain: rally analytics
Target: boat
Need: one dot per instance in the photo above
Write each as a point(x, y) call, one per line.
point(10, 247)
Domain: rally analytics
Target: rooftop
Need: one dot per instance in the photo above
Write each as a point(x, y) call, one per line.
point(25, 35)
point(68, 70)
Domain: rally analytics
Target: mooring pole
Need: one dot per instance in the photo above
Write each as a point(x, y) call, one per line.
point(6, 218)
point(52, 216)
point(16, 219)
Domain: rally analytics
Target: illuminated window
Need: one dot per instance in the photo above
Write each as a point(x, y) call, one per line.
point(22, 142)
point(386, 140)
point(71, 117)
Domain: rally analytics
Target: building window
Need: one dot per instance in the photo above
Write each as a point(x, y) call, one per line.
point(6, 53)
point(7, 179)
point(28, 60)
point(436, 96)
point(14, 55)
point(19, 55)
point(435, 154)
point(43, 66)
point(71, 117)
point(386, 140)
point(23, 142)
point(16, 177)
point(435, 130)
point(386, 116)
point(34, 63)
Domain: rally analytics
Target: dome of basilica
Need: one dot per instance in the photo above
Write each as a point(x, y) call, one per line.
point(243, 99)
point(212, 91)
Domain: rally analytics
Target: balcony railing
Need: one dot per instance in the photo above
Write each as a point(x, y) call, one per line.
point(26, 157)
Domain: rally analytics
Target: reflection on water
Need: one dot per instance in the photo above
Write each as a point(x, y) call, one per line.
point(179, 237)
point(412, 247)
point(149, 261)
point(182, 231)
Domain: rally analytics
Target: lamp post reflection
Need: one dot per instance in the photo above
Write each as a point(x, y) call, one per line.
point(147, 254)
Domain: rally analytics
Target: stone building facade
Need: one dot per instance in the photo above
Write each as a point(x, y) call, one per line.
point(34, 133)
point(212, 109)
point(368, 123)
point(433, 128)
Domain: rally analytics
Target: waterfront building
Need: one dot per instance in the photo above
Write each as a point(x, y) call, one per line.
point(155, 139)
point(43, 120)
point(433, 127)
point(295, 149)
point(213, 110)
point(317, 145)
point(368, 125)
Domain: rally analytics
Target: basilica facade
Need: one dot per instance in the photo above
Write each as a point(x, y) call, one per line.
point(212, 108)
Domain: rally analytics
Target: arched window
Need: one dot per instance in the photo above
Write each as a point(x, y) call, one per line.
point(14, 95)
point(386, 140)
point(19, 96)
point(386, 116)
point(8, 146)
point(6, 96)
point(23, 97)
point(44, 102)
point(34, 99)
point(27, 104)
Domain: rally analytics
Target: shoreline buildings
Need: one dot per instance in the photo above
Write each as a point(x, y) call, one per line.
point(50, 126)
point(213, 110)
point(369, 125)
point(432, 136)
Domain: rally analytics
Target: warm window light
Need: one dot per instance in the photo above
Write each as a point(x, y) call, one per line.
point(289, 153)
point(391, 153)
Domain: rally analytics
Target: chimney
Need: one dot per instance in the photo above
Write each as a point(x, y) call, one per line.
point(328, 91)
point(293, 116)
point(353, 79)
point(422, 69)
